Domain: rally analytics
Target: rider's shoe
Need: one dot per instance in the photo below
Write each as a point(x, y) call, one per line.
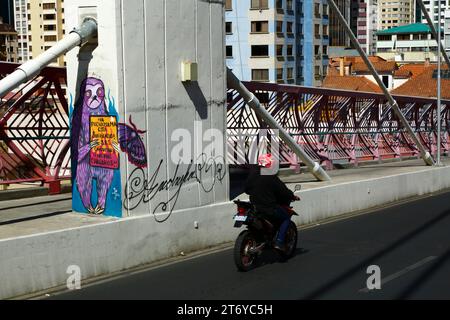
point(280, 247)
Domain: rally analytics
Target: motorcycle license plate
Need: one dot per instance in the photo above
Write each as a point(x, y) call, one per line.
point(240, 218)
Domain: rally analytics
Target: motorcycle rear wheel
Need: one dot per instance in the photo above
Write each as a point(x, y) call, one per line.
point(242, 258)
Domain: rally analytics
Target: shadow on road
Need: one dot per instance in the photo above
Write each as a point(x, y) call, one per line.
point(424, 277)
point(271, 256)
point(321, 291)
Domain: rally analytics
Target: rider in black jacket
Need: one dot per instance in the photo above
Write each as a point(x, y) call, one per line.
point(269, 194)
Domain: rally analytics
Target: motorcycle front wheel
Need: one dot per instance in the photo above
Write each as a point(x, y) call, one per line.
point(291, 241)
point(245, 261)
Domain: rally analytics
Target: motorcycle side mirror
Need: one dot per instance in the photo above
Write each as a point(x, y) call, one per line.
point(298, 187)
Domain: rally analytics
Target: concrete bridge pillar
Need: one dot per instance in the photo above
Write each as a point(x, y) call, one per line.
point(148, 107)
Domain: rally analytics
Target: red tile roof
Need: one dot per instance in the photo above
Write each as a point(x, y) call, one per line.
point(423, 85)
point(352, 83)
point(357, 64)
point(414, 68)
point(403, 73)
point(380, 66)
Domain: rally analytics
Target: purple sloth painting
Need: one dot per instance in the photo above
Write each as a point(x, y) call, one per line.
point(92, 103)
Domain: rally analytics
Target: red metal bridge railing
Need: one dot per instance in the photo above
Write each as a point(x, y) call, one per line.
point(332, 126)
point(34, 130)
point(335, 126)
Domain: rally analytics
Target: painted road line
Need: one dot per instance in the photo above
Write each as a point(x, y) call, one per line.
point(402, 272)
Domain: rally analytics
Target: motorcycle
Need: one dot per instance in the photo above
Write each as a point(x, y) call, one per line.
point(259, 235)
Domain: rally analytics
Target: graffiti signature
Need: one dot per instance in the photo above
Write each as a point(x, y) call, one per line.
point(207, 171)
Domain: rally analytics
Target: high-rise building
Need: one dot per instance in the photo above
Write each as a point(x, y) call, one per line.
point(47, 26)
point(393, 14)
point(315, 30)
point(21, 23)
point(447, 31)
point(279, 41)
point(433, 10)
point(338, 36)
point(354, 13)
point(419, 14)
point(367, 23)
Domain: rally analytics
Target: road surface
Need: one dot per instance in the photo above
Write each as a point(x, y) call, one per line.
point(410, 243)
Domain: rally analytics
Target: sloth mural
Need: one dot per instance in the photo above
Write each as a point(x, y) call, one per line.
point(97, 138)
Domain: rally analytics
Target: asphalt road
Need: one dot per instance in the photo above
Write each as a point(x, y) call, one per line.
point(410, 243)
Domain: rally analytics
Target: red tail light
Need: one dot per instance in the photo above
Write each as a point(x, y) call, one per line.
point(242, 211)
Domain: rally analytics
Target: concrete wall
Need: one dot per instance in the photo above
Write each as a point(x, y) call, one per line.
point(142, 45)
point(30, 264)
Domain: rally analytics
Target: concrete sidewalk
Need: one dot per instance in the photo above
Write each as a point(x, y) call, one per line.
point(363, 172)
point(52, 213)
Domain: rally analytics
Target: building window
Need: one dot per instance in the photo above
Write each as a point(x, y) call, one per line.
point(290, 73)
point(317, 10)
point(289, 5)
point(384, 38)
point(228, 5)
point(260, 26)
point(280, 74)
point(260, 4)
point(260, 51)
point(386, 81)
point(279, 4)
point(317, 31)
point(229, 27)
point(289, 28)
point(279, 50)
point(47, 6)
point(290, 50)
point(50, 38)
point(229, 51)
point(49, 17)
point(279, 26)
point(260, 74)
point(317, 74)
point(49, 27)
point(316, 50)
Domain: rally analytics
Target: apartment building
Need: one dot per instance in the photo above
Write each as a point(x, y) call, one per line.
point(447, 31)
point(433, 9)
point(46, 26)
point(395, 13)
point(21, 8)
point(338, 36)
point(8, 42)
point(279, 41)
point(315, 42)
point(366, 23)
